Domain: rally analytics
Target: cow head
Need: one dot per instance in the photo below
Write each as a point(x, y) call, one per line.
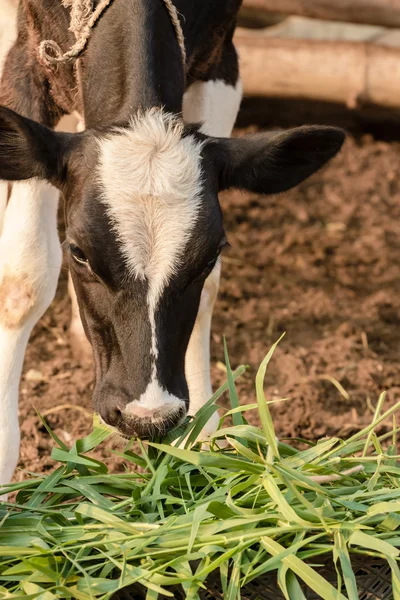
point(144, 230)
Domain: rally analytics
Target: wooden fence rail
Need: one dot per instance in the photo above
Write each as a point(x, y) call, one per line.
point(385, 13)
point(353, 73)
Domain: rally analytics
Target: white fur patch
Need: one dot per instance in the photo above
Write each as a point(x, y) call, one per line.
point(8, 27)
point(3, 202)
point(215, 104)
point(152, 182)
point(154, 400)
point(151, 177)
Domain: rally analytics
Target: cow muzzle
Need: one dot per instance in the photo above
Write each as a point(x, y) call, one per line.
point(153, 415)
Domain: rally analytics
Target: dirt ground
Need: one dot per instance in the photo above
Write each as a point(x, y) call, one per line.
point(321, 263)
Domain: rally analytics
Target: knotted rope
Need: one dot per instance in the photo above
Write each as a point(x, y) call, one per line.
point(83, 18)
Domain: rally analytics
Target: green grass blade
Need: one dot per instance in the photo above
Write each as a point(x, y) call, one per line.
point(233, 592)
point(293, 587)
point(311, 577)
point(236, 416)
point(342, 555)
point(263, 410)
point(365, 540)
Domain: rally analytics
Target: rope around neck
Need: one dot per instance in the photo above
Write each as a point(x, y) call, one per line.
point(173, 13)
point(83, 18)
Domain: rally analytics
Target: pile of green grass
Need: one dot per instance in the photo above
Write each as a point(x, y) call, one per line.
point(241, 510)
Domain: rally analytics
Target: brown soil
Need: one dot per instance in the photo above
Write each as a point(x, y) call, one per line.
point(320, 263)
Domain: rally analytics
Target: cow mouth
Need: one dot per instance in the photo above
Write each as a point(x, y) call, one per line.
point(147, 428)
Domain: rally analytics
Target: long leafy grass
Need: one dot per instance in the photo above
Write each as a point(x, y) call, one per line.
point(241, 509)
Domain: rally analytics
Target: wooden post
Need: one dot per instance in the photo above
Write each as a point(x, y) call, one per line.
point(351, 73)
point(385, 13)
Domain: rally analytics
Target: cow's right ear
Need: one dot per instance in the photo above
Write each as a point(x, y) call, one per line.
point(28, 149)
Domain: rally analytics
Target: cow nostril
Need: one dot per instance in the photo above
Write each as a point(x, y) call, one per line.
point(112, 415)
point(115, 414)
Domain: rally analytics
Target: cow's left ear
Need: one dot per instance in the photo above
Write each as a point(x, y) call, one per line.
point(271, 163)
point(28, 149)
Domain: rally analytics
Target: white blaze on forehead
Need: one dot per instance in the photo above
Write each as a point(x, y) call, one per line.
point(151, 177)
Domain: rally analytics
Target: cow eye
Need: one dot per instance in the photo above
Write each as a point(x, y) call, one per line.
point(209, 267)
point(78, 254)
point(213, 262)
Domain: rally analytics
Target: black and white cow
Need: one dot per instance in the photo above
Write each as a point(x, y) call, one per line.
point(144, 226)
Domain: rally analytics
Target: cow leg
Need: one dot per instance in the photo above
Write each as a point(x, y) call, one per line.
point(8, 33)
point(30, 262)
point(30, 252)
point(215, 104)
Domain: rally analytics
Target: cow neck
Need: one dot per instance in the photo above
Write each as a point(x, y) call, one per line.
point(133, 62)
